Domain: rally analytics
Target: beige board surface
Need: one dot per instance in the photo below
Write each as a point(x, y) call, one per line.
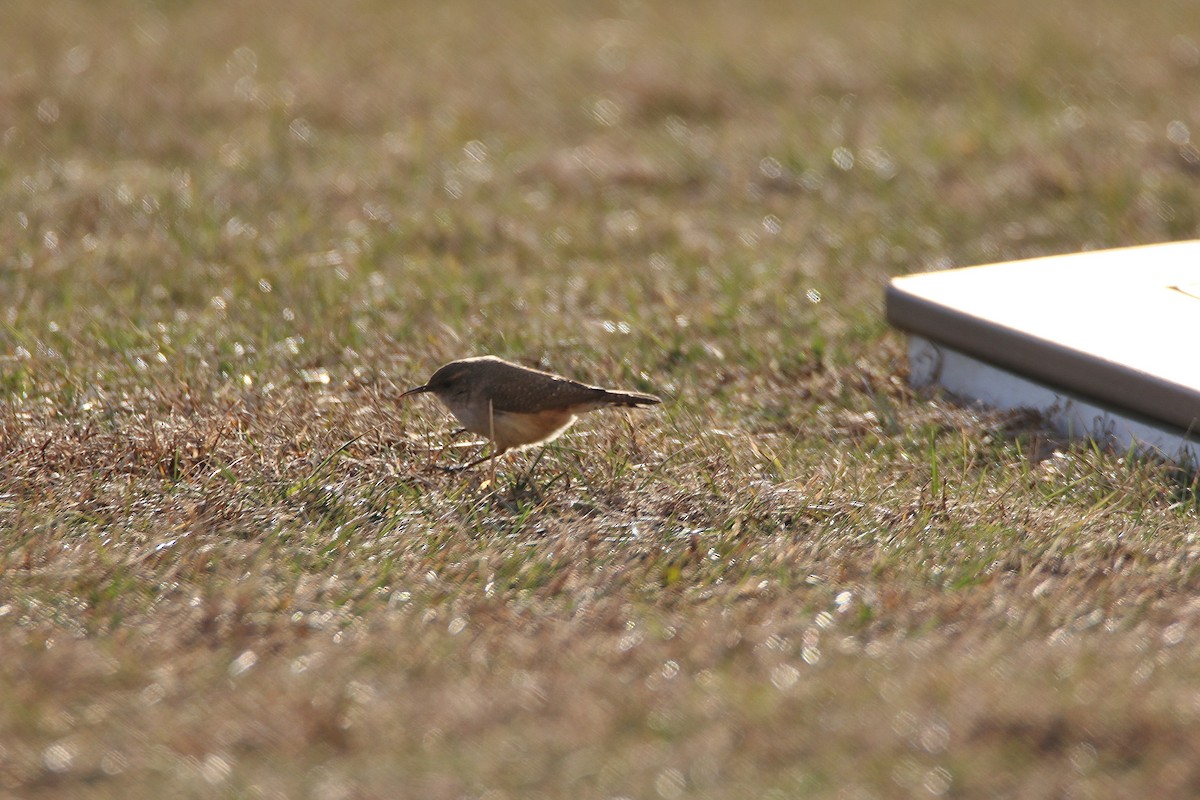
point(1121, 326)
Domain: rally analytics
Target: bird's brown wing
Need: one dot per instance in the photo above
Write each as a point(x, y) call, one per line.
point(536, 391)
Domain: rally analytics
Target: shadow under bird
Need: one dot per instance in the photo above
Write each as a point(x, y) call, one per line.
point(515, 406)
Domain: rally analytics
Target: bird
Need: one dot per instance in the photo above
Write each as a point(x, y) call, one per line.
point(515, 406)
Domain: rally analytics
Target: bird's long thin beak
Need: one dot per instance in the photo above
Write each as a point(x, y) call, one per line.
point(415, 390)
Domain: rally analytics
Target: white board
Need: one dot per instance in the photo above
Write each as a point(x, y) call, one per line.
point(1106, 344)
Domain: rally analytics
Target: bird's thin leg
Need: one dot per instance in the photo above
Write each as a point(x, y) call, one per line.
point(490, 457)
point(453, 435)
point(476, 463)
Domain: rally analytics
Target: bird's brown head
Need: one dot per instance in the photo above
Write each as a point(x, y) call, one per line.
point(451, 380)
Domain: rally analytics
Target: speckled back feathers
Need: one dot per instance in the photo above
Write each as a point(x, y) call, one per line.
point(522, 390)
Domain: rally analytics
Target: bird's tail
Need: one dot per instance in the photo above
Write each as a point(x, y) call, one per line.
point(633, 399)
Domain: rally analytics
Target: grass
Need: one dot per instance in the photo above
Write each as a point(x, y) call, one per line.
point(232, 237)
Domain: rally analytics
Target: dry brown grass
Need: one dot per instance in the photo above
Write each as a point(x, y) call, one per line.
point(232, 236)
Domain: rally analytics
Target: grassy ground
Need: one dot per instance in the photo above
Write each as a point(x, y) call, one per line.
point(233, 233)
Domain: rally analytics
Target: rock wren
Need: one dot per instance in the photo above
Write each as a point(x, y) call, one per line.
point(516, 406)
